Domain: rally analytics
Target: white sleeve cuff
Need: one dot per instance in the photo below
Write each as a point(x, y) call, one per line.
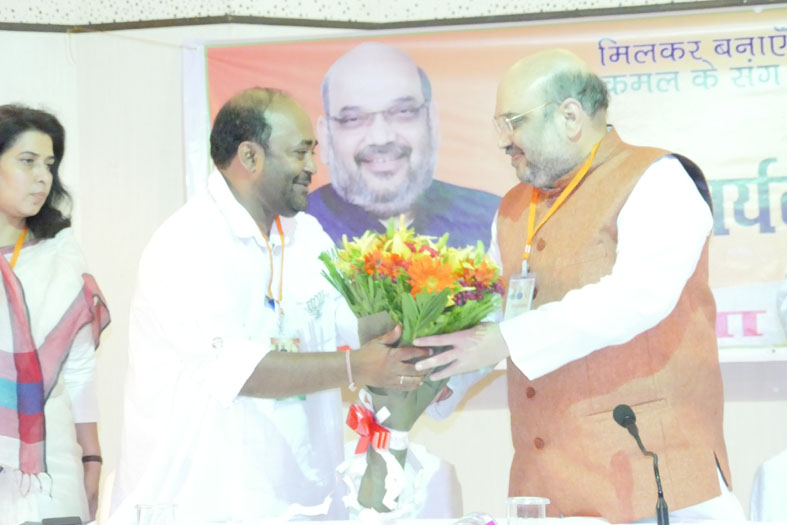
point(527, 358)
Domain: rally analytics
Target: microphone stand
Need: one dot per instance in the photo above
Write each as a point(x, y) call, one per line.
point(662, 512)
point(624, 416)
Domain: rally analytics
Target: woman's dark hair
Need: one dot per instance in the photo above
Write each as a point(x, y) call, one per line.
point(16, 119)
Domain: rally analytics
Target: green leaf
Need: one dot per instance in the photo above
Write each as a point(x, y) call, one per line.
point(420, 313)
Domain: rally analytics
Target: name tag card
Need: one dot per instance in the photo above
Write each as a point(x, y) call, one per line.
point(519, 297)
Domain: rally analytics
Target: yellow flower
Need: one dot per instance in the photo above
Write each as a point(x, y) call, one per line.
point(399, 246)
point(457, 258)
point(366, 243)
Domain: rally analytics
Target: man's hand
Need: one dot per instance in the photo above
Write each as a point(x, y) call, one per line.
point(480, 346)
point(92, 475)
point(378, 364)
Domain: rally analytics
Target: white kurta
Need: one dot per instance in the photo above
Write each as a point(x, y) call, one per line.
point(199, 326)
point(42, 269)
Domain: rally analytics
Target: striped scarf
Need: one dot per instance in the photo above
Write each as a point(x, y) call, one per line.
point(28, 373)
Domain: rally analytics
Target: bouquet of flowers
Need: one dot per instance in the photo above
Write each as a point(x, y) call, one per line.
point(398, 277)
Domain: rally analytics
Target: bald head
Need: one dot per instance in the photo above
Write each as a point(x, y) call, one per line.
point(242, 118)
point(535, 70)
point(365, 67)
point(555, 75)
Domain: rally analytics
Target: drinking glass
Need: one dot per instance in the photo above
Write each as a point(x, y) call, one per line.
point(524, 510)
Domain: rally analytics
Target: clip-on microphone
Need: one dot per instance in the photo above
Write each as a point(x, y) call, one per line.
point(624, 416)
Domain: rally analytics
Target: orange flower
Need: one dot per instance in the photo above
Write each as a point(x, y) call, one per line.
point(370, 260)
point(483, 275)
point(430, 275)
point(392, 265)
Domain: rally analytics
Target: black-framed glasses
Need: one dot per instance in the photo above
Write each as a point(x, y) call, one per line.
point(508, 123)
point(400, 113)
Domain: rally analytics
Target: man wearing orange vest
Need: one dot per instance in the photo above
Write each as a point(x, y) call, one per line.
point(616, 237)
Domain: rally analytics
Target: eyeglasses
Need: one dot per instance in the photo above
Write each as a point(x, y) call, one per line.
point(396, 114)
point(507, 124)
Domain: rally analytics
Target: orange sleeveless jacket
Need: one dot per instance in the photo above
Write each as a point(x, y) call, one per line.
point(567, 445)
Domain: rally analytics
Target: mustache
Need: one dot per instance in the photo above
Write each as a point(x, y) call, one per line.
point(368, 153)
point(512, 150)
point(304, 178)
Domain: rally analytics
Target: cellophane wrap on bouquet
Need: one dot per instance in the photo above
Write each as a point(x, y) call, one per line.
point(398, 277)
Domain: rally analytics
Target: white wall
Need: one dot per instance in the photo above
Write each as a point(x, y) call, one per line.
point(119, 96)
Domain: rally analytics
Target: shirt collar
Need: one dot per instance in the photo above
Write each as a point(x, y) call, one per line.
point(239, 220)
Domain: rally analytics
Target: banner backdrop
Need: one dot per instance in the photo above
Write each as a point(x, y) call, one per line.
point(710, 86)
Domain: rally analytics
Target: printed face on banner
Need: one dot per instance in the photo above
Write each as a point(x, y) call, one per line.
point(378, 134)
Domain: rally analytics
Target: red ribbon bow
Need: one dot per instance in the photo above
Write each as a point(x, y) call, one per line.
point(362, 420)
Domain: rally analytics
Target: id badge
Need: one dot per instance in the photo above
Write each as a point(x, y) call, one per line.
point(519, 297)
point(287, 344)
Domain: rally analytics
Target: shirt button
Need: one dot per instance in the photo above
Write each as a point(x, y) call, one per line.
point(217, 343)
point(541, 244)
point(530, 392)
point(539, 443)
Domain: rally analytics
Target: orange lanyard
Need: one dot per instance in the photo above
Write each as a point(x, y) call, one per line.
point(18, 247)
point(532, 228)
point(269, 296)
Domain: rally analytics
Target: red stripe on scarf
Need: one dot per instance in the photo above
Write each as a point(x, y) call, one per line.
point(28, 370)
point(88, 307)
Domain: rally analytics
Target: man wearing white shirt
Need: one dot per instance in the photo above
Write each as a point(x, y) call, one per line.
point(232, 407)
point(616, 238)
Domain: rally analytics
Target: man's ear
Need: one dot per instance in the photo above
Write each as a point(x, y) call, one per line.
point(323, 138)
point(571, 114)
point(251, 156)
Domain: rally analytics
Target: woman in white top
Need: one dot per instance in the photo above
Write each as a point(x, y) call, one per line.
point(51, 315)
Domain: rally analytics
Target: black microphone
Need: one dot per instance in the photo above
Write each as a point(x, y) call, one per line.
point(624, 416)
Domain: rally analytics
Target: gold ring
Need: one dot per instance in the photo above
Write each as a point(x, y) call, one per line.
point(401, 380)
